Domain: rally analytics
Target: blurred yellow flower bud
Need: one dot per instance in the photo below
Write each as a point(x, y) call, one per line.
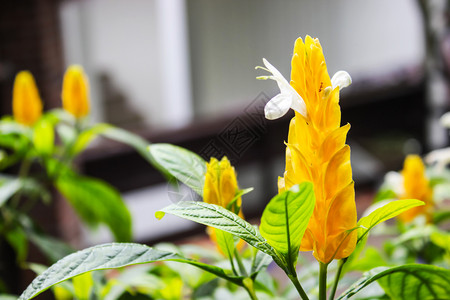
point(75, 92)
point(27, 105)
point(416, 186)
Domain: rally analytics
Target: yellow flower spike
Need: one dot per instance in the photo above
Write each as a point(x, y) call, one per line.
point(27, 105)
point(416, 186)
point(221, 188)
point(316, 152)
point(75, 92)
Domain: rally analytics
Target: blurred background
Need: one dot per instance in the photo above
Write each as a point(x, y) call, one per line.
point(183, 72)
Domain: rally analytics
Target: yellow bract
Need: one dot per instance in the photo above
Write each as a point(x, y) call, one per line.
point(75, 92)
point(316, 152)
point(221, 188)
point(220, 183)
point(27, 105)
point(416, 186)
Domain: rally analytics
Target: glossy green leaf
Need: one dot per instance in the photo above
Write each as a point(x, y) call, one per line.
point(220, 218)
point(406, 282)
point(43, 137)
point(285, 219)
point(184, 165)
point(97, 202)
point(110, 256)
point(386, 212)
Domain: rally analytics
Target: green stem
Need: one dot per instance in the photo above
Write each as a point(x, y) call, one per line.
point(248, 285)
point(23, 172)
point(336, 278)
point(323, 281)
point(233, 268)
point(239, 262)
point(298, 286)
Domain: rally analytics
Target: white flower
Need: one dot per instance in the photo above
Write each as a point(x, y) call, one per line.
point(445, 120)
point(288, 97)
point(440, 158)
point(341, 79)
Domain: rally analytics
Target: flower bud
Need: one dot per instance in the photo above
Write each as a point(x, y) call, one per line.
point(27, 105)
point(75, 92)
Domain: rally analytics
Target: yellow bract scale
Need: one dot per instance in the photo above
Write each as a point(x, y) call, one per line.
point(416, 186)
point(316, 152)
point(220, 183)
point(27, 105)
point(75, 92)
point(221, 188)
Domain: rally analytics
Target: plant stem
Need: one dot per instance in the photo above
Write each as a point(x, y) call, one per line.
point(298, 286)
point(239, 262)
point(323, 281)
point(23, 173)
point(336, 278)
point(248, 285)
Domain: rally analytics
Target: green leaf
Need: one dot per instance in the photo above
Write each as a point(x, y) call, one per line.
point(184, 165)
point(10, 126)
point(82, 285)
point(384, 194)
point(17, 238)
point(386, 212)
point(441, 216)
point(220, 218)
point(225, 241)
point(110, 256)
point(43, 137)
point(406, 282)
point(285, 219)
point(97, 202)
point(8, 297)
point(259, 263)
point(8, 187)
point(130, 139)
point(52, 248)
point(66, 133)
point(87, 136)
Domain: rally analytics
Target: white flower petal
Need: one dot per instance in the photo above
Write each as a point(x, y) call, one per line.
point(445, 120)
point(298, 104)
point(341, 79)
point(287, 92)
point(277, 107)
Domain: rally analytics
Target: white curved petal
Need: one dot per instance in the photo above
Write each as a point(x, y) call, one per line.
point(341, 79)
point(277, 107)
point(287, 92)
point(298, 104)
point(283, 84)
